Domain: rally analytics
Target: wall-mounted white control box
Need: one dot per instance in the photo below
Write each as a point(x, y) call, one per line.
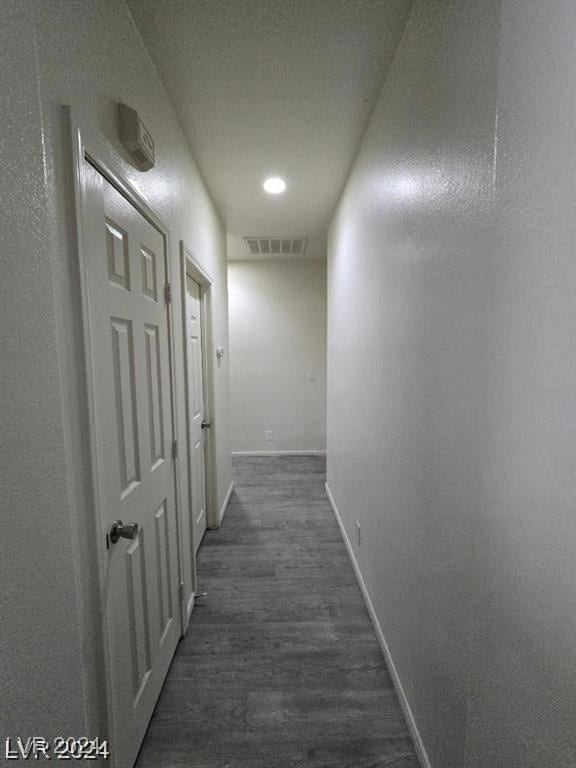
point(135, 137)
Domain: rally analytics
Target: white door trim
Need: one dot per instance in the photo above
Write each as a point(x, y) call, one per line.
point(189, 266)
point(92, 528)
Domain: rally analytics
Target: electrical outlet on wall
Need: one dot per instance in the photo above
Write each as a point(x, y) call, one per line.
point(358, 533)
point(269, 435)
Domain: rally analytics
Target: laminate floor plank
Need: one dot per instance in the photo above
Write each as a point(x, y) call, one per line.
point(281, 668)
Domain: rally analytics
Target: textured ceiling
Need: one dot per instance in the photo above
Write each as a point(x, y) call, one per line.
point(273, 87)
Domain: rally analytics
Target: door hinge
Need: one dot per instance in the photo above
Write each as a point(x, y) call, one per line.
point(174, 449)
point(168, 293)
point(181, 591)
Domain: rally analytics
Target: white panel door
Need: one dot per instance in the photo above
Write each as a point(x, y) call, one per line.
point(196, 410)
point(126, 275)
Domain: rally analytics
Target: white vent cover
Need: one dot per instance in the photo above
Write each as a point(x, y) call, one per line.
point(275, 246)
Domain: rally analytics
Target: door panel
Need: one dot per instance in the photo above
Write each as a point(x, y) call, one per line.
point(196, 409)
point(126, 274)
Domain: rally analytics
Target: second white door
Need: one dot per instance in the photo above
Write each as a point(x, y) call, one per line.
point(196, 410)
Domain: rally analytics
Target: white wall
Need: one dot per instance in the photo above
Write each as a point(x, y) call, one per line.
point(278, 338)
point(453, 251)
point(524, 643)
point(40, 637)
point(87, 55)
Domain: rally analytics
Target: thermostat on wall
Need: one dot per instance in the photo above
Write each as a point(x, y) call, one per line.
point(135, 137)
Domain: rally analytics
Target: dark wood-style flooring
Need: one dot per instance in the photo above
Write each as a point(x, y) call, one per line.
point(282, 668)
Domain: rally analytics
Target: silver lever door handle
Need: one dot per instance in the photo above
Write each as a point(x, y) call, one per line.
point(124, 530)
point(206, 424)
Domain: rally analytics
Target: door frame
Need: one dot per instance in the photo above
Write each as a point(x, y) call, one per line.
point(82, 152)
point(189, 265)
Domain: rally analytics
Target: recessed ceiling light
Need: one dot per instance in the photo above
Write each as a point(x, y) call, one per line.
point(274, 185)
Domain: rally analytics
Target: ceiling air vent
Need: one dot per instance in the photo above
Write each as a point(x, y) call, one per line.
point(275, 246)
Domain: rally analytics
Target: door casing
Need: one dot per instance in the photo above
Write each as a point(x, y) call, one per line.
point(189, 265)
point(82, 153)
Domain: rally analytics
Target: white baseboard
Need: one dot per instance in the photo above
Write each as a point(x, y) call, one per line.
point(224, 505)
point(418, 744)
point(279, 453)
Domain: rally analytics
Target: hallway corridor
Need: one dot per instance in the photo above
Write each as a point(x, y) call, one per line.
point(281, 668)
